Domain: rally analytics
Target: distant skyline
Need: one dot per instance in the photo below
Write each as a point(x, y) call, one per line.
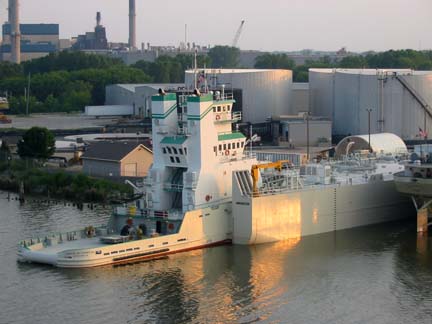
point(271, 25)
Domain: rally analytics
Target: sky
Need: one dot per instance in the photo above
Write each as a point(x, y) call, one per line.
point(271, 25)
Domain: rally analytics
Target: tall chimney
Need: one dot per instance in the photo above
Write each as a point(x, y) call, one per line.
point(132, 25)
point(98, 19)
point(15, 35)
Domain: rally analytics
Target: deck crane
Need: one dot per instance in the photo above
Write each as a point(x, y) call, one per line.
point(237, 35)
point(278, 165)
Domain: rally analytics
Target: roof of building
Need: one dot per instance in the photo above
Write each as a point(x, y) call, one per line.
point(111, 151)
point(230, 71)
point(156, 86)
point(34, 29)
point(386, 143)
point(370, 72)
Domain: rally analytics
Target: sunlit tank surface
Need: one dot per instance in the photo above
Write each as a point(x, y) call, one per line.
point(398, 100)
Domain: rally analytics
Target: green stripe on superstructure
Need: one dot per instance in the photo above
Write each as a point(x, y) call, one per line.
point(217, 103)
point(199, 117)
point(174, 140)
point(163, 116)
point(230, 136)
point(203, 98)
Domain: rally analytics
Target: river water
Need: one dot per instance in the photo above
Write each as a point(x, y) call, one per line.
point(376, 274)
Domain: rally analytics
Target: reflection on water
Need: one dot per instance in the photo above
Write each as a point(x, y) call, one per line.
point(370, 275)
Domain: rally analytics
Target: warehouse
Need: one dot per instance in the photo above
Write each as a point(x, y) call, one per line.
point(394, 101)
point(136, 95)
point(264, 93)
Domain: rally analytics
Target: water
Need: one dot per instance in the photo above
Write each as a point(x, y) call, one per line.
point(377, 274)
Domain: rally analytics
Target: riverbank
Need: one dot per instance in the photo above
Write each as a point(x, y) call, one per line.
point(58, 184)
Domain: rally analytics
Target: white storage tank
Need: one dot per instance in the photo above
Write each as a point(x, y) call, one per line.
point(265, 93)
point(398, 100)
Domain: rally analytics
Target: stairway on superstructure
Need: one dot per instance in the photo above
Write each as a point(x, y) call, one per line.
point(245, 182)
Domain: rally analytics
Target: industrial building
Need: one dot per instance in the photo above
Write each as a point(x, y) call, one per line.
point(301, 130)
point(264, 93)
point(136, 95)
point(96, 40)
point(37, 40)
point(395, 101)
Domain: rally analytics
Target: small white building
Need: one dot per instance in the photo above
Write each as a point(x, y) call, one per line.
point(292, 131)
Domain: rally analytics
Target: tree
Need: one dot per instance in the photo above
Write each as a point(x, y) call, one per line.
point(353, 62)
point(8, 70)
point(224, 56)
point(4, 150)
point(37, 143)
point(274, 61)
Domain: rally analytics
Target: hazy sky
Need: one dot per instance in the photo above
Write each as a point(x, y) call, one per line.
point(270, 24)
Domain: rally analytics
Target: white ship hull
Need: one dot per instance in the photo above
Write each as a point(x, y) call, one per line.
point(199, 229)
point(295, 214)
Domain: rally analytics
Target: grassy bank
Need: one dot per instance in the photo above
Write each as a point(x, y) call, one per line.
point(59, 184)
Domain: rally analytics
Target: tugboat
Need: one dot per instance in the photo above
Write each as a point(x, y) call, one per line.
point(186, 199)
point(416, 182)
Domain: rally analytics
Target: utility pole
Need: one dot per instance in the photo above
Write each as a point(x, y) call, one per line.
point(307, 136)
point(28, 95)
point(369, 110)
point(250, 136)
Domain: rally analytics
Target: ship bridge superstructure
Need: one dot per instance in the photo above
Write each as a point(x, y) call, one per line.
point(196, 148)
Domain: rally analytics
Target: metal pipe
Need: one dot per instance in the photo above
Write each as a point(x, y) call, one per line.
point(132, 24)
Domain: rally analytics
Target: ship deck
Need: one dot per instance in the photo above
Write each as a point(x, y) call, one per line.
point(84, 243)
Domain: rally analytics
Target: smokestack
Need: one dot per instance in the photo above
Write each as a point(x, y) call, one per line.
point(98, 19)
point(132, 25)
point(15, 31)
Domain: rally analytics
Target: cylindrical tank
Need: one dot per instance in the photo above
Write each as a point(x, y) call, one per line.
point(265, 93)
point(394, 99)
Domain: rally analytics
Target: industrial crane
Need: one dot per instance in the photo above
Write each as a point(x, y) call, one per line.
point(278, 165)
point(238, 33)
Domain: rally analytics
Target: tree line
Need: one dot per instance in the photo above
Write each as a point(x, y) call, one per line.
point(68, 81)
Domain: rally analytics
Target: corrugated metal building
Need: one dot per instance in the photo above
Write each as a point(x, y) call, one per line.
point(137, 95)
point(398, 100)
